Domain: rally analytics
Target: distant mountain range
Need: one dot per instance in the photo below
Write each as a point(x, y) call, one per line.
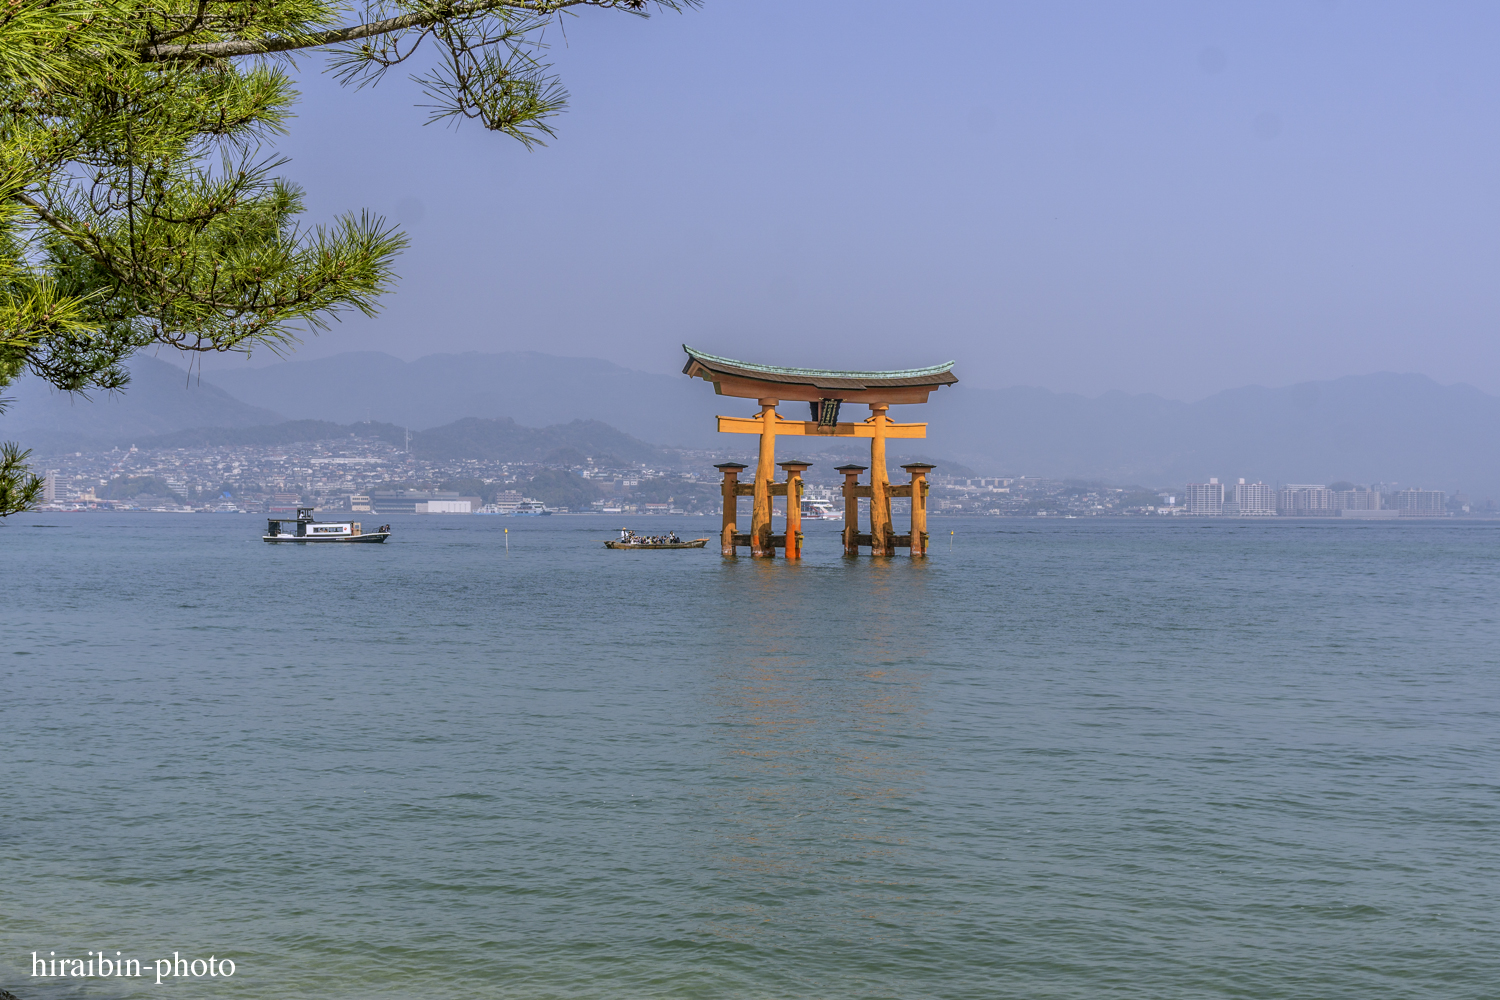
point(534, 389)
point(160, 398)
point(472, 437)
point(1365, 428)
point(1368, 428)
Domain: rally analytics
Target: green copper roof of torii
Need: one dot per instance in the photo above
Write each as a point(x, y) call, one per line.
point(816, 375)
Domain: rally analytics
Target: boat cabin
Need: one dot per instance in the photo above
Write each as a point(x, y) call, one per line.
point(306, 527)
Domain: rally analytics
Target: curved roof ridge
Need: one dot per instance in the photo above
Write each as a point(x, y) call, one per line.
point(819, 372)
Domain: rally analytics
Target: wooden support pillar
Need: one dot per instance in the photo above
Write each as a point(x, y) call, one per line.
point(760, 510)
point(851, 507)
point(918, 472)
point(880, 498)
point(730, 492)
point(794, 472)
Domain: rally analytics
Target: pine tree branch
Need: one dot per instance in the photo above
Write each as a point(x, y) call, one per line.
point(334, 36)
point(80, 240)
point(20, 490)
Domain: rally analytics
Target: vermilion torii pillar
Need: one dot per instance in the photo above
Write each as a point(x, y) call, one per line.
point(882, 542)
point(918, 472)
point(760, 510)
point(851, 507)
point(826, 391)
point(794, 470)
point(730, 491)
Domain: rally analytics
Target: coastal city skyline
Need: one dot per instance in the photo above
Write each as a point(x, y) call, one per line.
point(1370, 429)
point(333, 474)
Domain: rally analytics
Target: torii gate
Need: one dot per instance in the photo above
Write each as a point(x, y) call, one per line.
point(826, 391)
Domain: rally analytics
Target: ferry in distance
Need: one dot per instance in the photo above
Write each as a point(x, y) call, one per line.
point(817, 505)
point(307, 530)
point(515, 506)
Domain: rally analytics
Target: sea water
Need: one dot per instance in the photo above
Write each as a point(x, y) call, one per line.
point(1057, 759)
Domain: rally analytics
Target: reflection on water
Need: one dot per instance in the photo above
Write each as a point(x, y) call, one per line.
point(818, 707)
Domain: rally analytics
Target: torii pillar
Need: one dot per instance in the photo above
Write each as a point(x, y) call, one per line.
point(918, 471)
point(851, 507)
point(881, 542)
point(761, 546)
point(793, 544)
point(731, 493)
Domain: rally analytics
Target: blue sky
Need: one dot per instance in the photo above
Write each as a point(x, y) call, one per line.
point(1150, 197)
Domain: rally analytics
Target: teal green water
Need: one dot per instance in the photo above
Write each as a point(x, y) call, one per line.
point(1059, 760)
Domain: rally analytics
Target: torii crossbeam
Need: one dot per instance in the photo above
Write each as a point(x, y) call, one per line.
point(826, 391)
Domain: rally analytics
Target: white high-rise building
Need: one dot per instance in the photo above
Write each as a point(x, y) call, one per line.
point(1303, 500)
point(49, 487)
point(1356, 500)
point(1420, 503)
point(1255, 499)
point(1204, 499)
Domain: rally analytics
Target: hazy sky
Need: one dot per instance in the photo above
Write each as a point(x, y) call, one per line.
point(1152, 197)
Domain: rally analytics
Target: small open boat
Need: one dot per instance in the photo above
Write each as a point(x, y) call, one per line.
point(630, 540)
point(307, 530)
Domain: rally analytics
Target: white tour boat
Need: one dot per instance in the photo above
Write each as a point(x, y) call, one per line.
point(818, 505)
point(307, 530)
